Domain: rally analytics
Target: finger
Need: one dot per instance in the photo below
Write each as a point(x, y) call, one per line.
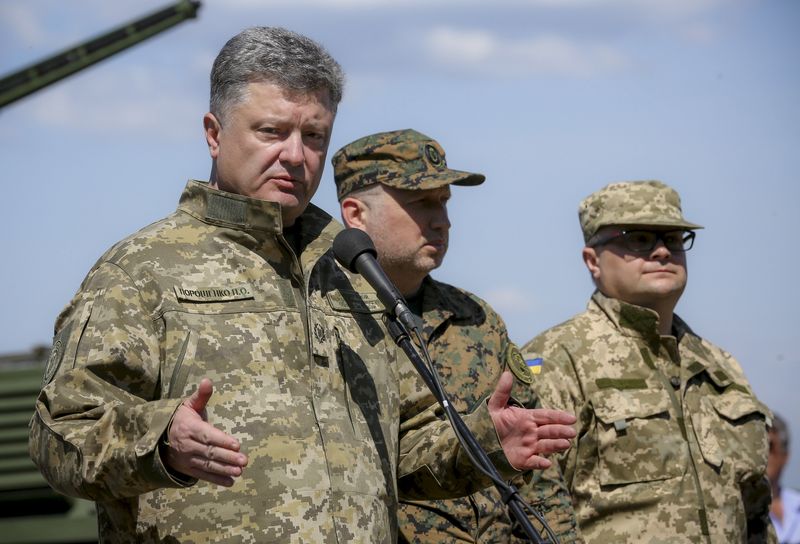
point(198, 400)
point(205, 434)
point(223, 456)
point(555, 432)
point(502, 392)
point(537, 462)
point(215, 466)
point(545, 416)
point(546, 446)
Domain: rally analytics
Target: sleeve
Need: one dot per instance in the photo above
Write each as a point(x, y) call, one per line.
point(544, 491)
point(751, 437)
point(433, 465)
point(548, 490)
point(547, 493)
point(97, 423)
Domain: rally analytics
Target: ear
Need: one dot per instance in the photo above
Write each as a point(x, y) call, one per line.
point(590, 259)
point(212, 128)
point(354, 213)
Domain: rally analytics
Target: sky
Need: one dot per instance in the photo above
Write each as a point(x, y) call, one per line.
point(550, 99)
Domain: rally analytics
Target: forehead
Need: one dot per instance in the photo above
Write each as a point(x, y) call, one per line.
point(261, 92)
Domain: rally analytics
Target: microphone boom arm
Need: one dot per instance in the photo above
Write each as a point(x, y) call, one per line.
point(508, 492)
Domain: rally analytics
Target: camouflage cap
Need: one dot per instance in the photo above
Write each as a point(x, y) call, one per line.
point(405, 159)
point(642, 203)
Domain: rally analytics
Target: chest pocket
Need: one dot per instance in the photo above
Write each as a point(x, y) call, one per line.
point(638, 440)
point(731, 427)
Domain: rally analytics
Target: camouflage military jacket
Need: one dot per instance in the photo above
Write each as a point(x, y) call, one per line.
point(672, 442)
point(469, 345)
point(303, 377)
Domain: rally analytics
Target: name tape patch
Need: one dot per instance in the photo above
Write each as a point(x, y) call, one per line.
point(352, 301)
point(214, 294)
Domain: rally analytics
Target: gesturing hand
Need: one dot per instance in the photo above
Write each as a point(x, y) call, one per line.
point(198, 449)
point(526, 435)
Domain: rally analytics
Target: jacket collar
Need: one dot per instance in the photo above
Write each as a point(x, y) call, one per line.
point(633, 320)
point(442, 303)
point(259, 218)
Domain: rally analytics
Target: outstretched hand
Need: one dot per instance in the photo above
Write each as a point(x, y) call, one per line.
point(527, 435)
point(198, 449)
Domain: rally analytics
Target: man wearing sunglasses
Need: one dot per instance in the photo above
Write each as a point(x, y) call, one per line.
point(672, 442)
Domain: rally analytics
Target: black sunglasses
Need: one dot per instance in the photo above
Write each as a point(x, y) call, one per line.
point(644, 241)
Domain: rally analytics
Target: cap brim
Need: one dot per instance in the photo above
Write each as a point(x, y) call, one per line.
point(469, 178)
point(446, 177)
point(659, 224)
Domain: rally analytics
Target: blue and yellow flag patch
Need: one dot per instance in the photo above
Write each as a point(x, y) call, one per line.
point(535, 365)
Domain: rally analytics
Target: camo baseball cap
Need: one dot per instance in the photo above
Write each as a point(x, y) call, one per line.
point(405, 159)
point(632, 203)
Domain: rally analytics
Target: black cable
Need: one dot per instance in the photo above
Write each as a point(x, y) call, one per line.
point(515, 504)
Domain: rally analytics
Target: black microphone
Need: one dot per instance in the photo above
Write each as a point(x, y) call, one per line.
point(354, 250)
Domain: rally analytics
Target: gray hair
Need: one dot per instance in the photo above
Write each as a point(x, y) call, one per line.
point(781, 429)
point(272, 55)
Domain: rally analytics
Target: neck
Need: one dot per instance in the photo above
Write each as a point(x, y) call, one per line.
point(407, 285)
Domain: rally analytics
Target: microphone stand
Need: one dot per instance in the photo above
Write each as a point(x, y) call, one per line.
point(475, 452)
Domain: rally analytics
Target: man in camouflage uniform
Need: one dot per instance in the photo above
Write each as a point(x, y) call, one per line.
point(238, 291)
point(395, 186)
point(672, 441)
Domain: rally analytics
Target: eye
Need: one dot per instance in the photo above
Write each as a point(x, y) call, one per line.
point(639, 237)
point(315, 139)
point(639, 240)
point(268, 131)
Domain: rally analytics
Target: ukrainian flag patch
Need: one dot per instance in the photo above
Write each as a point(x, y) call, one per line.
point(534, 365)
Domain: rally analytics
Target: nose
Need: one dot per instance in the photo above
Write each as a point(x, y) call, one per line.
point(292, 149)
point(440, 219)
point(660, 252)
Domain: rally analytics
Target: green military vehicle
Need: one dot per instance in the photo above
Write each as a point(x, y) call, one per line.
point(30, 511)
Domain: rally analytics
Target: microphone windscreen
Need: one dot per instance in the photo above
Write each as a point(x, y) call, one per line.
point(349, 244)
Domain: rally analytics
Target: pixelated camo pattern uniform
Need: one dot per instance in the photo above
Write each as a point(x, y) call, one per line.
point(303, 378)
point(469, 343)
point(672, 442)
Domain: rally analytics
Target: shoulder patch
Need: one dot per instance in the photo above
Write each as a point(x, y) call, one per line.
point(516, 364)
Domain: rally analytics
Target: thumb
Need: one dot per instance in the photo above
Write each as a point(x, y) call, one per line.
point(502, 392)
point(199, 398)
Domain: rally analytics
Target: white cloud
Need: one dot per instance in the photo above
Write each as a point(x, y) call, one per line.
point(663, 8)
point(115, 101)
point(482, 51)
point(508, 300)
